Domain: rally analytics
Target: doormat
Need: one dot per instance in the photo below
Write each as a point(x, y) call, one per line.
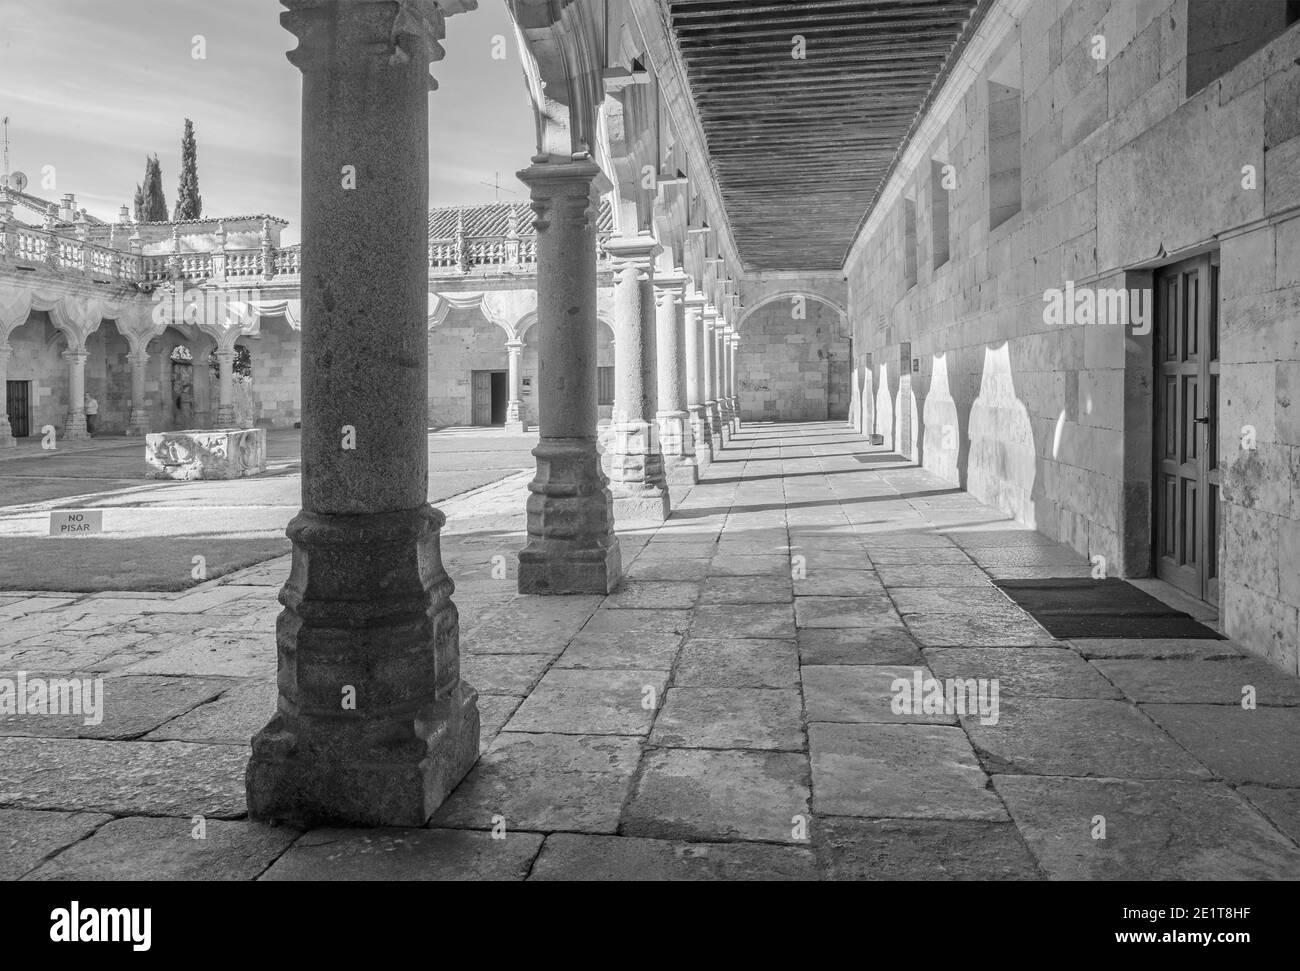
point(1078, 607)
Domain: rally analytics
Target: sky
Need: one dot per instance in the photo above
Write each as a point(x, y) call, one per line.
point(93, 87)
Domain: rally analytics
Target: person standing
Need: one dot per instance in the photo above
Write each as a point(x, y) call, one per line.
point(91, 407)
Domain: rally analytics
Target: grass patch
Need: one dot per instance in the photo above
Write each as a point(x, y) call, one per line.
point(155, 563)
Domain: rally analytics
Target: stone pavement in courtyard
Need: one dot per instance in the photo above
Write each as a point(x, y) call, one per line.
point(726, 714)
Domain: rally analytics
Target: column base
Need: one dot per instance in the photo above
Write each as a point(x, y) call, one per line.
point(74, 427)
point(516, 427)
point(139, 424)
point(374, 725)
point(571, 544)
point(702, 437)
point(225, 417)
point(685, 471)
point(651, 506)
point(715, 426)
point(7, 439)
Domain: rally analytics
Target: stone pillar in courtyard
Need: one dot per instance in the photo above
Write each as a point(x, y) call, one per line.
point(74, 425)
point(636, 473)
point(515, 406)
point(711, 413)
point(374, 725)
point(724, 392)
point(225, 387)
point(733, 349)
point(675, 436)
point(571, 544)
point(138, 424)
point(729, 377)
point(7, 439)
point(700, 432)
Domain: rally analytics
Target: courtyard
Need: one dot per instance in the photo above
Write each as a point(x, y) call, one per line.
point(724, 714)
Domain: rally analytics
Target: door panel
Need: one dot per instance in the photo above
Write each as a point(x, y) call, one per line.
point(18, 402)
point(481, 397)
point(1186, 474)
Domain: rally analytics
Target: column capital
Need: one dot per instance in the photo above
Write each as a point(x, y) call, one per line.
point(392, 34)
point(76, 354)
point(561, 190)
point(636, 251)
point(696, 301)
point(515, 344)
point(138, 357)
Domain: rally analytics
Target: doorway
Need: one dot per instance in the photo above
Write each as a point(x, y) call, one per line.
point(490, 395)
point(18, 404)
point(1186, 426)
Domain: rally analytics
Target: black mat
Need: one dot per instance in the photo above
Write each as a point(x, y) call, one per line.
point(1079, 607)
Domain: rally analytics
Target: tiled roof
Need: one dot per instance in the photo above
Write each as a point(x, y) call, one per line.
point(493, 219)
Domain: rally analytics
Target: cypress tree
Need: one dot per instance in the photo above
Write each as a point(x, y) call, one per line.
point(189, 204)
point(154, 207)
point(139, 203)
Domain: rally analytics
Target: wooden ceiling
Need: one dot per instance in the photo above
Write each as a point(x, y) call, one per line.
point(800, 146)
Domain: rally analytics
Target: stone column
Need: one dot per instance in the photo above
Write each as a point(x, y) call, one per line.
point(724, 391)
point(636, 470)
point(7, 439)
point(711, 380)
point(733, 349)
point(226, 387)
point(571, 544)
point(514, 407)
point(139, 421)
point(695, 397)
point(675, 437)
point(74, 426)
point(374, 725)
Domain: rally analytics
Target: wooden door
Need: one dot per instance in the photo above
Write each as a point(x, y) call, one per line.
point(481, 397)
point(1186, 434)
point(18, 404)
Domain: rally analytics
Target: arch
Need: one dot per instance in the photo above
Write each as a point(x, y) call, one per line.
point(498, 308)
point(530, 318)
point(788, 294)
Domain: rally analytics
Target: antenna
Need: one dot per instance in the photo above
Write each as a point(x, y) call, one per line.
point(4, 177)
point(497, 186)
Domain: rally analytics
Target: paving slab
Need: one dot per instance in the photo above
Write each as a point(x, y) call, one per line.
point(737, 663)
point(213, 654)
point(746, 590)
point(643, 650)
point(576, 701)
point(919, 556)
point(885, 642)
point(504, 674)
point(125, 707)
point(1004, 629)
point(839, 583)
point(744, 621)
point(730, 718)
point(867, 693)
point(29, 836)
point(1154, 647)
point(896, 575)
point(1079, 737)
point(405, 855)
point(1260, 746)
point(1281, 806)
point(1221, 682)
point(168, 848)
point(627, 621)
point(711, 795)
point(922, 849)
point(659, 569)
point(544, 783)
point(123, 778)
point(750, 565)
point(1154, 830)
point(899, 772)
point(1030, 672)
point(568, 856)
point(652, 594)
point(234, 718)
point(984, 601)
point(841, 611)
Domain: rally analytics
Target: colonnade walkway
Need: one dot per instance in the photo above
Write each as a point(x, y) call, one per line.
point(733, 711)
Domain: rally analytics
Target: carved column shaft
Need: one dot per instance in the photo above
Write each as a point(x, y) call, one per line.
point(74, 426)
point(571, 544)
point(675, 438)
point(6, 433)
point(514, 407)
point(712, 387)
point(695, 392)
point(138, 424)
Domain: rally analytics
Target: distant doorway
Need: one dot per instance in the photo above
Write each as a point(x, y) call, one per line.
point(18, 404)
point(490, 397)
point(1186, 432)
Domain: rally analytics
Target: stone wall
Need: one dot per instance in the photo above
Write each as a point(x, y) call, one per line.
point(37, 347)
point(465, 341)
point(275, 356)
point(792, 363)
point(1120, 171)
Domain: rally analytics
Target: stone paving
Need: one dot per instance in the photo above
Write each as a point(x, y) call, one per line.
point(730, 713)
